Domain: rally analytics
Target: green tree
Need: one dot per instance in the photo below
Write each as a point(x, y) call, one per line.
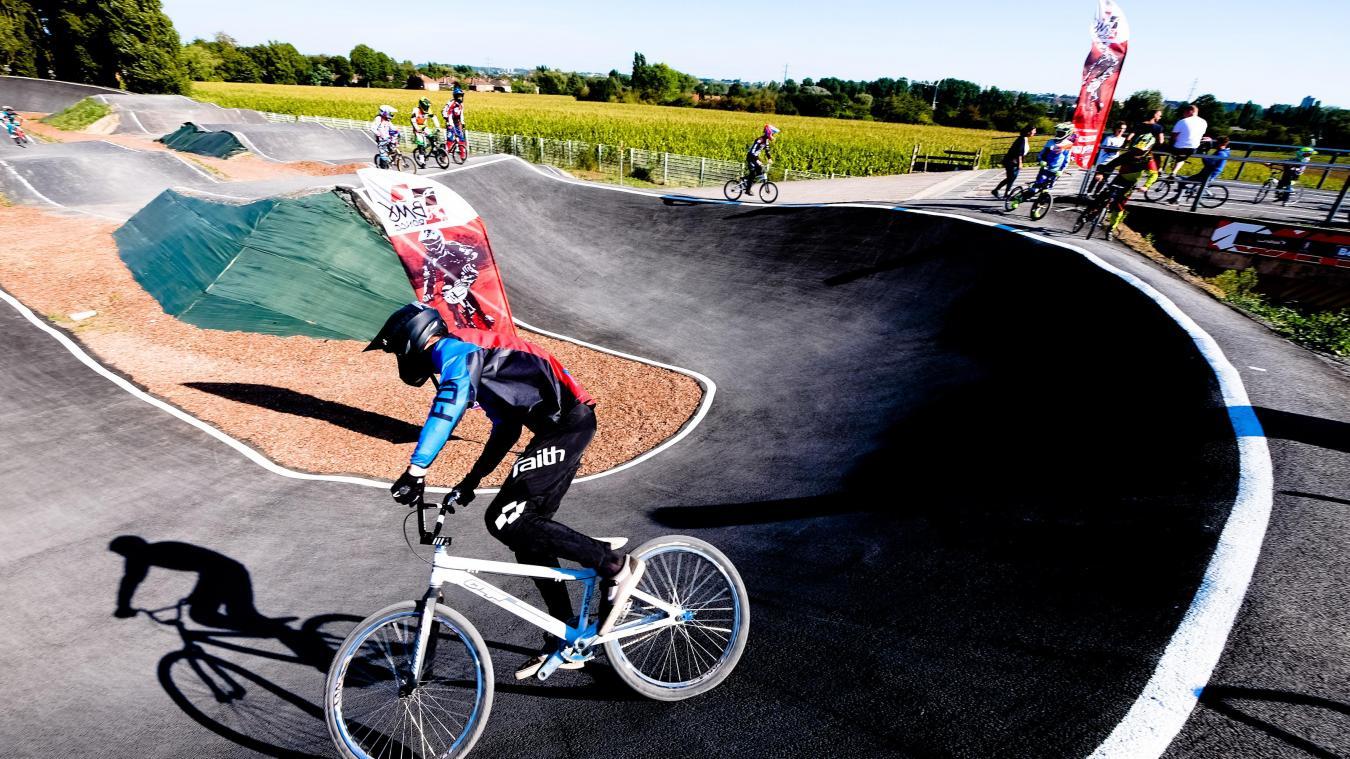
point(1141, 105)
point(201, 63)
point(114, 43)
point(1214, 113)
point(22, 44)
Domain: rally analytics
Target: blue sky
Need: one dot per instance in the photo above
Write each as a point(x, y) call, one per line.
point(1264, 50)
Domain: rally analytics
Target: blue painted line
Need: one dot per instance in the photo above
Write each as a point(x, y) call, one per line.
point(1245, 423)
point(1006, 228)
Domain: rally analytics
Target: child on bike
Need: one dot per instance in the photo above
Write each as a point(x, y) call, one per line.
point(385, 133)
point(1212, 168)
point(1131, 166)
point(12, 119)
point(754, 168)
point(423, 121)
point(1291, 173)
point(1054, 157)
point(520, 386)
point(454, 116)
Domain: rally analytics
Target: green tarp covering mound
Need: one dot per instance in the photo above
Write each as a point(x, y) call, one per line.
point(302, 265)
point(191, 138)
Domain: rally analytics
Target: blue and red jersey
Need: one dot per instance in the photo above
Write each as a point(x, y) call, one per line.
point(515, 382)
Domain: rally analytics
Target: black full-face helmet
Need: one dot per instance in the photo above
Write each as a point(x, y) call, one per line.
point(406, 335)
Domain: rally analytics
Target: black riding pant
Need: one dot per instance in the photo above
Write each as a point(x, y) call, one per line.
point(521, 516)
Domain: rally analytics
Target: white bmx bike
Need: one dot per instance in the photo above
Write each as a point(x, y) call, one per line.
point(415, 679)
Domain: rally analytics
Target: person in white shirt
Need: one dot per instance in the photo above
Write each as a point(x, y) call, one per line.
point(1186, 136)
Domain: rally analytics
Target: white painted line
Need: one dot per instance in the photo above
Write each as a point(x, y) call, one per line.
point(123, 147)
point(247, 143)
point(192, 166)
point(132, 114)
point(1256, 368)
point(33, 190)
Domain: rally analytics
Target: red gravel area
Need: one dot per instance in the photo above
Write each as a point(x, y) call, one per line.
point(308, 404)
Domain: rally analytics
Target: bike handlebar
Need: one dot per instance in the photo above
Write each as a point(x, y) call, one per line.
point(433, 536)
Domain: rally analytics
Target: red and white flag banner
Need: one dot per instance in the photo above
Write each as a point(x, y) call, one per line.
point(444, 248)
point(1101, 71)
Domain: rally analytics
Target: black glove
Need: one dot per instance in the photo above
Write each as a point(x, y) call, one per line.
point(408, 489)
point(465, 492)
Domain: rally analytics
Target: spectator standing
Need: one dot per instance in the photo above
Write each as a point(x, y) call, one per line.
point(1012, 161)
point(1186, 136)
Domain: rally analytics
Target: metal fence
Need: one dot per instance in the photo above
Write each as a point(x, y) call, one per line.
point(610, 160)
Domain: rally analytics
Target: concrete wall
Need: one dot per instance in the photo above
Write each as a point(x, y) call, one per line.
point(45, 95)
point(1186, 237)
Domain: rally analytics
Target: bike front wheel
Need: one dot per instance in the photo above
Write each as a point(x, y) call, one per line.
point(459, 152)
point(442, 158)
point(1264, 191)
point(372, 711)
point(1041, 206)
point(696, 654)
point(1158, 190)
point(1214, 196)
point(404, 163)
point(768, 192)
point(733, 189)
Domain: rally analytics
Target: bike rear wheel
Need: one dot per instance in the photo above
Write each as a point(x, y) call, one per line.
point(733, 189)
point(459, 152)
point(419, 156)
point(1293, 195)
point(366, 707)
point(694, 656)
point(1041, 206)
point(1013, 199)
point(404, 163)
point(768, 192)
point(1096, 221)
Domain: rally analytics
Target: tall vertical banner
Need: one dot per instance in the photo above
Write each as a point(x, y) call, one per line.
point(443, 246)
point(1101, 71)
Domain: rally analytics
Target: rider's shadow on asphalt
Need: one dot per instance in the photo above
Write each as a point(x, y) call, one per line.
point(221, 598)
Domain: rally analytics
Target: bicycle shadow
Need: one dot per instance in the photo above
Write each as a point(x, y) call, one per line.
point(1235, 703)
point(227, 698)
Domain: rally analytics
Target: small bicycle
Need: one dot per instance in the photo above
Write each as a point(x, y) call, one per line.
point(432, 147)
point(416, 678)
point(390, 155)
point(16, 131)
point(1214, 195)
point(735, 188)
point(1038, 192)
point(1094, 213)
point(456, 145)
point(1288, 195)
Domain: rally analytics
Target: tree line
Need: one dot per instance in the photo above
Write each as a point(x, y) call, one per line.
point(132, 44)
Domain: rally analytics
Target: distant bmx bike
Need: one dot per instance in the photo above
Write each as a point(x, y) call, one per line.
point(20, 136)
point(456, 145)
point(390, 155)
point(433, 148)
point(1038, 193)
point(1274, 187)
point(1214, 195)
point(735, 188)
point(417, 678)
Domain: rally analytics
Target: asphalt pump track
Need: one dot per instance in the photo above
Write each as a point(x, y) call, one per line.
point(972, 482)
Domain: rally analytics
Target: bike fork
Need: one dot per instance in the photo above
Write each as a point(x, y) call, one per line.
point(423, 637)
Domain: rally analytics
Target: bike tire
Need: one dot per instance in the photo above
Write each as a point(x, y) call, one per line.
point(692, 574)
point(1294, 196)
point(442, 158)
point(1214, 196)
point(1264, 191)
point(1079, 223)
point(1013, 199)
point(768, 192)
point(733, 189)
point(1097, 219)
point(1041, 206)
point(464, 674)
point(419, 156)
point(250, 710)
point(459, 152)
point(1158, 190)
point(381, 161)
point(404, 163)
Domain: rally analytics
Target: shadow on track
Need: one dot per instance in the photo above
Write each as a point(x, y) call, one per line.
point(1256, 707)
point(1323, 433)
point(279, 719)
point(287, 401)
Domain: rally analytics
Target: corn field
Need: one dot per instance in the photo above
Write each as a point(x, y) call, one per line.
point(824, 146)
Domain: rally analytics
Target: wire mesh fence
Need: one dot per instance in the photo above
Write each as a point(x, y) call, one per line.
point(576, 155)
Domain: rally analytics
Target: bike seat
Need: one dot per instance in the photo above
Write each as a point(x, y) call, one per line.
point(614, 543)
